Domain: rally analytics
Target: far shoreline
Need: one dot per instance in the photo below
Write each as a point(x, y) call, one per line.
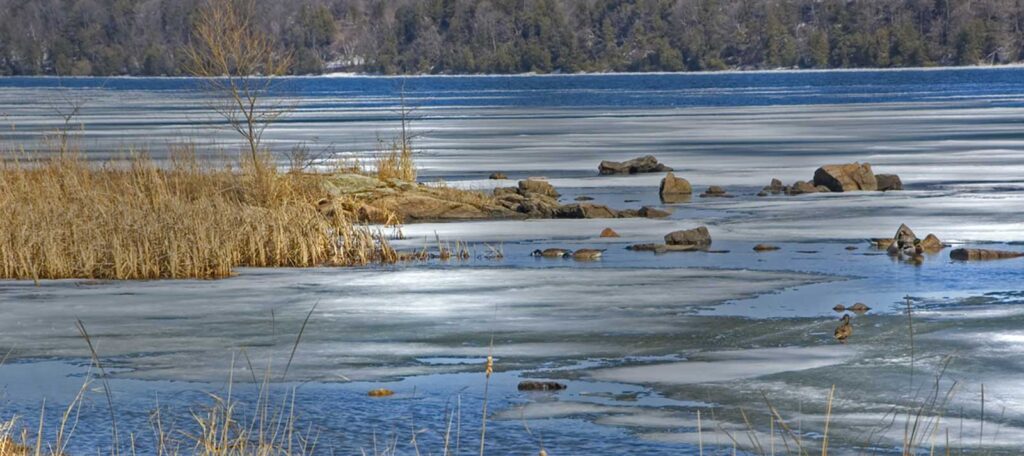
point(733, 71)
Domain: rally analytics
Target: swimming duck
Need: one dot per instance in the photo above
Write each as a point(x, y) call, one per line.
point(587, 254)
point(551, 253)
point(845, 330)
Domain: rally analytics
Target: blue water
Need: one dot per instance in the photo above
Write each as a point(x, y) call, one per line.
point(615, 90)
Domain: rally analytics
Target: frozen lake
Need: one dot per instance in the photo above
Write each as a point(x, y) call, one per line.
point(643, 341)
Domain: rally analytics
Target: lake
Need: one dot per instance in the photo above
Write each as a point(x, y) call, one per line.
point(642, 341)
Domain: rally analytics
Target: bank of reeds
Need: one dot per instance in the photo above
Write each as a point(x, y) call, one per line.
point(65, 217)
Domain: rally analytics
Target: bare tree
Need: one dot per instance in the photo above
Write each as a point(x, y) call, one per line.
point(237, 62)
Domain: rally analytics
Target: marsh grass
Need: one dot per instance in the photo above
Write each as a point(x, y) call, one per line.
point(395, 161)
point(65, 217)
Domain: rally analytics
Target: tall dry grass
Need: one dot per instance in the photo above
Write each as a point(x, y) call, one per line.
point(67, 218)
point(395, 162)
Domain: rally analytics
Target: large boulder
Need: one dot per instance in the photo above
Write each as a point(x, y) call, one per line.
point(983, 254)
point(585, 211)
point(888, 182)
point(697, 236)
point(849, 177)
point(538, 186)
point(674, 189)
point(645, 164)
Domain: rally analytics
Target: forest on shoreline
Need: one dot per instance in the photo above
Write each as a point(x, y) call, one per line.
point(148, 37)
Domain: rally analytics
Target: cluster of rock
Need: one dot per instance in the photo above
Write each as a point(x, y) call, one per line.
point(679, 241)
point(536, 198)
point(849, 177)
point(906, 243)
point(645, 164)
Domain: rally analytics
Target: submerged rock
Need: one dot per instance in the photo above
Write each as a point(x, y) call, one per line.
point(698, 236)
point(497, 176)
point(889, 182)
point(983, 254)
point(674, 189)
point(531, 385)
point(765, 248)
point(859, 307)
point(380, 392)
point(651, 212)
point(846, 177)
point(645, 164)
point(584, 198)
point(714, 191)
point(662, 248)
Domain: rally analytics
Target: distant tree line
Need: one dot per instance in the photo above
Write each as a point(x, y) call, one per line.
point(147, 37)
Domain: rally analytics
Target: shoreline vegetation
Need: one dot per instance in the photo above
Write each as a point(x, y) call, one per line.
point(508, 37)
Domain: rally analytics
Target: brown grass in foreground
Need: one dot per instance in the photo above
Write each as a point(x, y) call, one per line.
point(67, 218)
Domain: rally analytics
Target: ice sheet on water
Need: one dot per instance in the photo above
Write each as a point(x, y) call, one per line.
point(729, 365)
point(367, 323)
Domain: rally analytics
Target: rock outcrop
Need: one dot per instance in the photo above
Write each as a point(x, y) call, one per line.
point(585, 211)
point(609, 233)
point(698, 236)
point(847, 177)
point(765, 248)
point(905, 242)
point(645, 164)
point(497, 176)
point(983, 254)
point(674, 189)
point(538, 186)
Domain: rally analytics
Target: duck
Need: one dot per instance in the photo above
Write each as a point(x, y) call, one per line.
point(845, 330)
point(551, 253)
point(587, 254)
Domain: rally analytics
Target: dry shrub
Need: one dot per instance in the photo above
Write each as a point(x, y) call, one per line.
point(396, 162)
point(67, 218)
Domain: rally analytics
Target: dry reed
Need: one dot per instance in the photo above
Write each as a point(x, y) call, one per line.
point(67, 218)
point(395, 162)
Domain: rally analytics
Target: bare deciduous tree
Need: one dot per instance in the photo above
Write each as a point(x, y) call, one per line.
point(238, 64)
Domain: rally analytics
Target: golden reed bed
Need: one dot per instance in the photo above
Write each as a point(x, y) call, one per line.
point(134, 219)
